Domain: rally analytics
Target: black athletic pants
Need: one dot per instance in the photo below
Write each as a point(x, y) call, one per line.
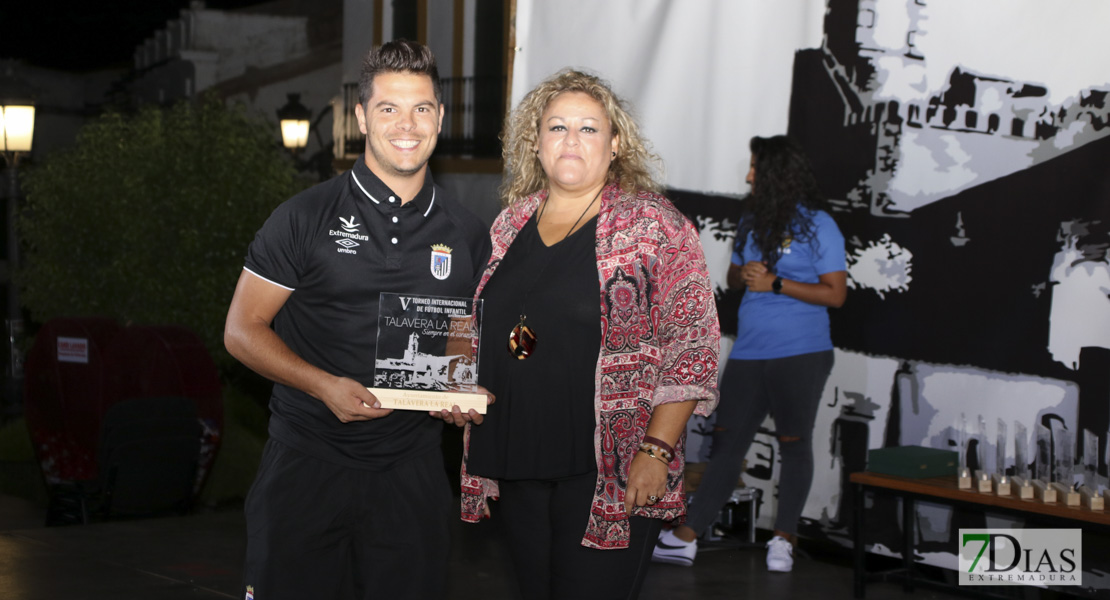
point(319, 530)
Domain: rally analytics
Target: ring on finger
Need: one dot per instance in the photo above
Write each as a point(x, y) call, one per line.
point(653, 499)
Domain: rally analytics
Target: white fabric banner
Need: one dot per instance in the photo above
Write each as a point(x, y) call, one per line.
point(701, 76)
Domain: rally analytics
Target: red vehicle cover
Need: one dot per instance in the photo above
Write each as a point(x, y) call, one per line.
point(64, 400)
point(79, 367)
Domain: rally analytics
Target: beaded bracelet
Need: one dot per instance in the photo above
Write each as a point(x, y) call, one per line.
point(658, 442)
point(655, 452)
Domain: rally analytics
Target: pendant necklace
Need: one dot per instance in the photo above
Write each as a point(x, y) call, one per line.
point(522, 339)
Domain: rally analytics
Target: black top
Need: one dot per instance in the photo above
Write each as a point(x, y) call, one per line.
point(542, 423)
point(337, 246)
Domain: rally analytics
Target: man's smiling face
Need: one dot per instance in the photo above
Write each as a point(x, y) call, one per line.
point(401, 121)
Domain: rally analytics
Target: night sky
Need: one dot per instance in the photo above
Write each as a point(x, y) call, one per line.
point(85, 35)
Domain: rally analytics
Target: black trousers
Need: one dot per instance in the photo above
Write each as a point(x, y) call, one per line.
point(319, 530)
point(545, 520)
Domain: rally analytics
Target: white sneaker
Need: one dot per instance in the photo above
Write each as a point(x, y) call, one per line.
point(780, 555)
point(670, 549)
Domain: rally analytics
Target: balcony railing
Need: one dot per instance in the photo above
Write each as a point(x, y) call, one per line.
point(473, 111)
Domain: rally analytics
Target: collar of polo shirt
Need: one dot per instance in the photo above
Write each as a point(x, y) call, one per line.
point(369, 185)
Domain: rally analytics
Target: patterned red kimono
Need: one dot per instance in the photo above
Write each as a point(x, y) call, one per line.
point(659, 343)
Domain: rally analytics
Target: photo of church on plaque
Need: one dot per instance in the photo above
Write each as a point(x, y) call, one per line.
point(418, 370)
point(427, 351)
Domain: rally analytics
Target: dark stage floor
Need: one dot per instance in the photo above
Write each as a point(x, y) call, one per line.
point(199, 557)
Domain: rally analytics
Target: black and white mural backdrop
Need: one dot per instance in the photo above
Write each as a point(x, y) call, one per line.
point(965, 147)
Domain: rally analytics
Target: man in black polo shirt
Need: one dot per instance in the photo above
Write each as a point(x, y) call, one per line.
point(352, 500)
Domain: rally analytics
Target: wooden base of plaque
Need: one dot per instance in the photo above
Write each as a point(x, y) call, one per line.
point(1022, 488)
point(1091, 498)
point(1065, 493)
point(983, 482)
point(428, 400)
point(1001, 484)
point(1043, 491)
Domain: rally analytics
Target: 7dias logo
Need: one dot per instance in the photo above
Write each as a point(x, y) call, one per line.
point(1037, 557)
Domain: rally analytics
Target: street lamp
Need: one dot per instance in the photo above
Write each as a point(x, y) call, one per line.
point(17, 128)
point(294, 119)
point(295, 129)
point(17, 119)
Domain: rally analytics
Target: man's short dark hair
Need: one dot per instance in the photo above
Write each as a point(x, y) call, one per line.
point(398, 56)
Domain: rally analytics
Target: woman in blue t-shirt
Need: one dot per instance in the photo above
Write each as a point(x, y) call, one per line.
point(789, 257)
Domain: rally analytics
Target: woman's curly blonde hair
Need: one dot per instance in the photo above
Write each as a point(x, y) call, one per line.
point(524, 175)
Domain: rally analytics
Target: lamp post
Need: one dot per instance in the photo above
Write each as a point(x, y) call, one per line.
point(17, 127)
point(294, 118)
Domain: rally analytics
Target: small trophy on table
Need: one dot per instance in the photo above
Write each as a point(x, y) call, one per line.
point(983, 482)
point(1021, 486)
point(1042, 490)
point(1001, 481)
point(1066, 490)
point(963, 476)
point(1089, 491)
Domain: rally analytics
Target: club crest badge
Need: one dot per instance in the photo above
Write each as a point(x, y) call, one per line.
point(441, 261)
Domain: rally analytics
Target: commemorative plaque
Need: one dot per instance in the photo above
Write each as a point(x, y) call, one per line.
point(427, 353)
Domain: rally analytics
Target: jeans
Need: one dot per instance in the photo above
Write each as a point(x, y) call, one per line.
point(789, 389)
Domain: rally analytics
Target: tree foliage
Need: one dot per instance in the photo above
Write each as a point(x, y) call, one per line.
point(148, 217)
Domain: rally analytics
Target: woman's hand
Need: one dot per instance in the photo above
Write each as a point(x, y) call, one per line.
point(459, 418)
point(756, 277)
point(647, 479)
point(830, 290)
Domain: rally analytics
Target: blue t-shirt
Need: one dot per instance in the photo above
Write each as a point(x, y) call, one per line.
point(775, 325)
